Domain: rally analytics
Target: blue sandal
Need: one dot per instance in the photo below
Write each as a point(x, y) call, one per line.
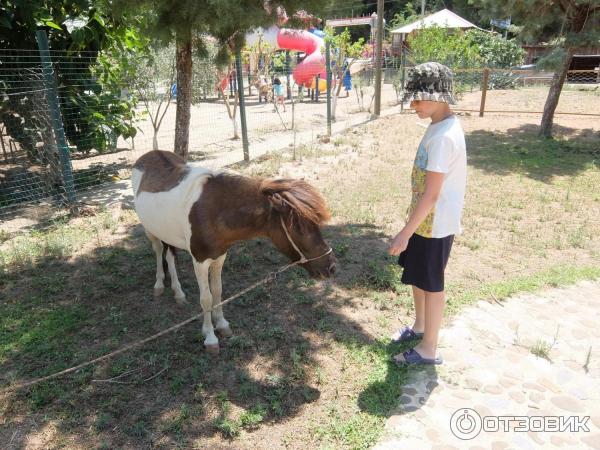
point(413, 357)
point(405, 334)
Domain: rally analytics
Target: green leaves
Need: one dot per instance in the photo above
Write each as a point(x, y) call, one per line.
point(94, 52)
point(50, 23)
point(494, 50)
point(473, 48)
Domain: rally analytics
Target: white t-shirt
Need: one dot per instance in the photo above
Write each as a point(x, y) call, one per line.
point(442, 149)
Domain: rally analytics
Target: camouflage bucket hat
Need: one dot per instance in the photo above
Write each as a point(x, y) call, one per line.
point(429, 81)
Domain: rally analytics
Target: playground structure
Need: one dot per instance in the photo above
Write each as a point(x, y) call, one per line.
point(261, 43)
point(310, 43)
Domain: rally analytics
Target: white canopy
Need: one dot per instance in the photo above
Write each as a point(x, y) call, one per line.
point(444, 18)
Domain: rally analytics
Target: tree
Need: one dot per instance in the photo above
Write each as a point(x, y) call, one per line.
point(156, 75)
point(184, 20)
point(345, 54)
point(401, 17)
point(567, 24)
point(231, 110)
point(93, 65)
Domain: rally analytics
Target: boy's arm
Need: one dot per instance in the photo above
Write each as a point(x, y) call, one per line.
point(433, 186)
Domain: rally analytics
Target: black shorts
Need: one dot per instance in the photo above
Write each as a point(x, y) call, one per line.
point(424, 262)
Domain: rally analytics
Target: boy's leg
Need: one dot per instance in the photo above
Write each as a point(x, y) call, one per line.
point(434, 312)
point(419, 300)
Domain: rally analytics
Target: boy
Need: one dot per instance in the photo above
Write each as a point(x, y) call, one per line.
point(438, 190)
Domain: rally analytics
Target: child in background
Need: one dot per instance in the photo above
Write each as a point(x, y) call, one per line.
point(278, 90)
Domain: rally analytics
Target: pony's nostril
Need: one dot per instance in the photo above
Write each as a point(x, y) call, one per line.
point(332, 269)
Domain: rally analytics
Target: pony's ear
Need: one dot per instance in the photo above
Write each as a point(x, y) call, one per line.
point(278, 203)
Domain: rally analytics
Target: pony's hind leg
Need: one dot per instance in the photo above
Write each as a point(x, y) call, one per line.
point(210, 340)
point(216, 290)
point(157, 246)
point(175, 284)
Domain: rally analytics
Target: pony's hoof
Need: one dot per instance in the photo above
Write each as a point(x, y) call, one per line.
point(158, 292)
point(225, 332)
point(181, 300)
point(212, 349)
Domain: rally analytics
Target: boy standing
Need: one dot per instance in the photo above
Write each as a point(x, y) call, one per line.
point(438, 190)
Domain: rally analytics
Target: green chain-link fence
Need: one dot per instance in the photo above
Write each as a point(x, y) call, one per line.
point(72, 128)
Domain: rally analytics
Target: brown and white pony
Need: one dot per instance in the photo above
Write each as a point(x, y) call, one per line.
point(206, 212)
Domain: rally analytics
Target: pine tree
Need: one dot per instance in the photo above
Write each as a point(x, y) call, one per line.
point(185, 21)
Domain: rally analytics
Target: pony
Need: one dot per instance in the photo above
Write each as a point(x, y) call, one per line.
point(205, 212)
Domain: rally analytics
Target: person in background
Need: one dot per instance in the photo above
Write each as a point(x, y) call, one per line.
point(279, 93)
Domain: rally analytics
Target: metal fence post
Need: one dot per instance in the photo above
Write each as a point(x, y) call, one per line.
point(288, 64)
point(240, 81)
point(55, 116)
point(328, 68)
point(402, 71)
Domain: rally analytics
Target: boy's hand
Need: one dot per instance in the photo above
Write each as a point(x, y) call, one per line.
point(398, 244)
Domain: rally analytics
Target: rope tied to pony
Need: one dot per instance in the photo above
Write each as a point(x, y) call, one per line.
point(272, 276)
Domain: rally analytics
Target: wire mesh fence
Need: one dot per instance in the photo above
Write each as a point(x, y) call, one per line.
point(31, 168)
point(104, 119)
point(71, 129)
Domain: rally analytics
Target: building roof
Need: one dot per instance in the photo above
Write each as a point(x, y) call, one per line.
point(444, 18)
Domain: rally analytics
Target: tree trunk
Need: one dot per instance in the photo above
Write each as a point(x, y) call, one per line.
point(554, 94)
point(155, 140)
point(184, 96)
point(236, 134)
point(334, 105)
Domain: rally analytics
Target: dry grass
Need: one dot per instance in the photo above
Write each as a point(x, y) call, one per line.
point(308, 367)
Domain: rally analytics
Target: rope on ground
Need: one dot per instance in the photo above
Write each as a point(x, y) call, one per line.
point(271, 277)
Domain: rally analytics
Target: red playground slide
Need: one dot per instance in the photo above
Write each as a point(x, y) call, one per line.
point(298, 40)
point(309, 43)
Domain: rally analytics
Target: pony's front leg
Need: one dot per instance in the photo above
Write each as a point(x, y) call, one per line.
point(210, 340)
point(216, 288)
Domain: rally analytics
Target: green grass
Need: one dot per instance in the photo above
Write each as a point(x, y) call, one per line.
point(77, 294)
point(556, 276)
point(530, 155)
point(252, 418)
point(541, 349)
point(58, 241)
point(39, 332)
point(358, 426)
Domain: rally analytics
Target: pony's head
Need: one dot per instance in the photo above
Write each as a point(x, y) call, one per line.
point(298, 212)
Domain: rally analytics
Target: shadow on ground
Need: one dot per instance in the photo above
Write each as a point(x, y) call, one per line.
point(521, 150)
point(62, 312)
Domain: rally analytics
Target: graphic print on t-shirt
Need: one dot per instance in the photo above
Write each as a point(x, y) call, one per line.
point(442, 150)
point(425, 229)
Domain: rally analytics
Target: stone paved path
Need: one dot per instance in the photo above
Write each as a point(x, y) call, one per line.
point(489, 367)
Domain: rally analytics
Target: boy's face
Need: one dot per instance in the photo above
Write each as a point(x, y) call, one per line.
point(425, 108)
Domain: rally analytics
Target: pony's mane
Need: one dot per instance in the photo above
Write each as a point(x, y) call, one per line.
point(303, 199)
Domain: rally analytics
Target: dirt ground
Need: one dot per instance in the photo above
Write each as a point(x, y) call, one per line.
point(307, 366)
point(211, 130)
point(573, 99)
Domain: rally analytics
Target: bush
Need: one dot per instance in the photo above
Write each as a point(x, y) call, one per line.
point(502, 80)
point(444, 46)
point(494, 50)
point(473, 48)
